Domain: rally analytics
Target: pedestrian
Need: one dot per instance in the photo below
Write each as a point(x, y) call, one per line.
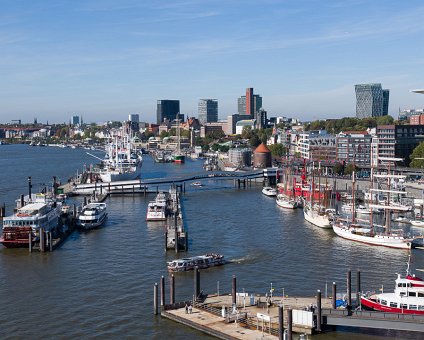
point(186, 308)
point(190, 309)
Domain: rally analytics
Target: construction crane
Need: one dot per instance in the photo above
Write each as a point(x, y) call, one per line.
point(17, 120)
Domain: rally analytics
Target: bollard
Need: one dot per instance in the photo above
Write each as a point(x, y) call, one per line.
point(280, 323)
point(318, 311)
point(289, 324)
point(172, 286)
point(234, 290)
point(334, 300)
point(30, 241)
point(155, 299)
point(162, 291)
point(349, 289)
point(358, 288)
point(196, 283)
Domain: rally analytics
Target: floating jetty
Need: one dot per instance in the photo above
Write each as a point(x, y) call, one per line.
point(176, 237)
point(240, 315)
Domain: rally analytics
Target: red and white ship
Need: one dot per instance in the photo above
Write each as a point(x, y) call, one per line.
point(408, 297)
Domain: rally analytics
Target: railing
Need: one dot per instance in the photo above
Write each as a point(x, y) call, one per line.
point(243, 319)
point(374, 315)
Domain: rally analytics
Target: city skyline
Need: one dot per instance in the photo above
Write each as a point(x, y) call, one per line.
point(107, 59)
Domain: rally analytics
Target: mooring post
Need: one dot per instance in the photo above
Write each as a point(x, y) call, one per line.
point(349, 289)
point(166, 240)
point(155, 299)
point(358, 288)
point(50, 242)
point(74, 210)
point(280, 323)
point(41, 233)
point(30, 241)
point(290, 324)
point(29, 187)
point(162, 291)
point(318, 311)
point(334, 299)
point(172, 290)
point(196, 283)
point(234, 290)
point(85, 200)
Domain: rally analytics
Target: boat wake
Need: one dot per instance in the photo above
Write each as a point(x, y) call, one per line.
point(244, 259)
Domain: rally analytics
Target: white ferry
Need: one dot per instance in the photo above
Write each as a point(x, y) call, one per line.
point(201, 262)
point(407, 298)
point(93, 215)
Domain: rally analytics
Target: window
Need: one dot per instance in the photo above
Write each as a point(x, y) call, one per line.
point(413, 307)
point(420, 294)
point(393, 304)
point(384, 302)
point(403, 306)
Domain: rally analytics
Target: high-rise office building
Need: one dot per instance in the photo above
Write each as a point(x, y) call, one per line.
point(371, 100)
point(250, 104)
point(75, 120)
point(168, 109)
point(134, 120)
point(208, 111)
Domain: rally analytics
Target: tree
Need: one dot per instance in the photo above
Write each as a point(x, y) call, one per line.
point(277, 150)
point(224, 148)
point(349, 169)
point(164, 134)
point(417, 153)
point(254, 141)
point(338, 168)
point(215, 147)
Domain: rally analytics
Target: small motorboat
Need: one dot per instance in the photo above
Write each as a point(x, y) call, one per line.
point(417, 223)
point(197, 184)
point(269, 191)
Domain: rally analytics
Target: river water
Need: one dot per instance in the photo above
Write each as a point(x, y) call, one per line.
point(100, 283)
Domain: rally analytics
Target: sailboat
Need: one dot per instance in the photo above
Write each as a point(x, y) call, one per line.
point(283, 200)
point(316, 213)
point(366, 232)
point(178, 157)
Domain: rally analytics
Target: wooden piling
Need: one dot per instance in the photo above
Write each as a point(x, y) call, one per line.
point(50, 242)
point(166, 240)
point(196, 282)
point(234, 290)
point(162, 291)
point(358, 288)
point(30, 241)
point(290, 324)
point(349, 289)
point(172, 290)
point(41, 236)
point(155, 299)
point(318, 328)
point(334, 298)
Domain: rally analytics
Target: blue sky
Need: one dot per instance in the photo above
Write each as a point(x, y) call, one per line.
point(105, 59)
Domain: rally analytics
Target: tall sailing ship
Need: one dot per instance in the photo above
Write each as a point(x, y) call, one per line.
point(370, 232)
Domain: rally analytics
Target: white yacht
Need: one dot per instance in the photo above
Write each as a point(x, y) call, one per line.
point(156, 210)
point(93, 215)
point(269, 191)
point(285, 202)
point(317, 215)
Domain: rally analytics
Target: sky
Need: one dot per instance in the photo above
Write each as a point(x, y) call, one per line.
point(105, 59)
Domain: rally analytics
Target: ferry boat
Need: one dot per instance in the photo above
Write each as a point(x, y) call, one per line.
point(33, 213)
point(93, 215)
point(201, 262)
point(285, 202)
point(269, 191)
point(407, 298)
point(156, 210)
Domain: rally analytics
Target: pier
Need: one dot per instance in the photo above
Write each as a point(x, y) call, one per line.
point(176, 237)
point(244, 315)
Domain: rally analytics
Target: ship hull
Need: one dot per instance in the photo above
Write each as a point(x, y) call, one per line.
point(373, 305)
point(316, 219)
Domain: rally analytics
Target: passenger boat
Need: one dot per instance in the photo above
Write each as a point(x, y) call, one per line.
point(417, 223)
point(201, 262)
point(197, 184)
point(33, 214)
point(285, 202)
point(269, 191)
point(156, 210)
point(407, 298)
point(93, 215)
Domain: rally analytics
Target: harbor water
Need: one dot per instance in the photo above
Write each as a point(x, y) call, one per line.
point(100, 283)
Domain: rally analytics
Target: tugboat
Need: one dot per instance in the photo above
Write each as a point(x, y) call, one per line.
point(407, 298)
point(202, 262)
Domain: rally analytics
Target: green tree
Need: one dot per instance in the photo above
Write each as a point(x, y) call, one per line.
point(254, 141)
point(415, 155)
point(277, 150)
point(215, 147)
point(338, 168)
point(224, 148)
point(349, 169)
point(164, 134)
